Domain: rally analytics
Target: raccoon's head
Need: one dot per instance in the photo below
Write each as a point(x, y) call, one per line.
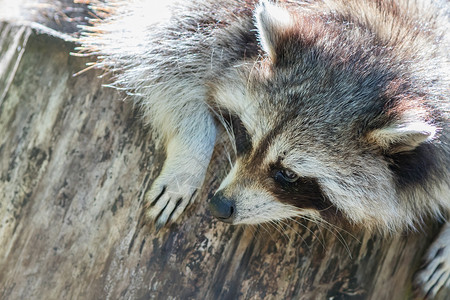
point(320, 131)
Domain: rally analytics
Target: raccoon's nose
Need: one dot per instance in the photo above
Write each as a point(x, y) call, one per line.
point(222, 208)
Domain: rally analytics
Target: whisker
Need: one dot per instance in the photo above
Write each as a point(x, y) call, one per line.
point(335, 231)
point(322, 221)
point(322, 242)
point(280, 229)
point(262, 225)
point(299, 234)
point(228, 128)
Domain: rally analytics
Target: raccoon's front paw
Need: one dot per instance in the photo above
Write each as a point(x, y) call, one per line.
point(170, 194)
point(435, 274)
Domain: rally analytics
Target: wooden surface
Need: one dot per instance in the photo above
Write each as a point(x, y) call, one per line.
point(75, 162)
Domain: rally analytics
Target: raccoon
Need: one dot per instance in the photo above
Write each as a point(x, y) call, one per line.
point(339, 109)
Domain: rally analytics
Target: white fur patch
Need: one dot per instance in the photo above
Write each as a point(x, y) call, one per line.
point(254, 206)
point(230, 177)
point(233, 95)
point(408, 136)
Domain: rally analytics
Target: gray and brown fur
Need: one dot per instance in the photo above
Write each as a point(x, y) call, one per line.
point(352, 97)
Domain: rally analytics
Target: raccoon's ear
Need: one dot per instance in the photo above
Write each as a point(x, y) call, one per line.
point(402, 137)
point(271, 22)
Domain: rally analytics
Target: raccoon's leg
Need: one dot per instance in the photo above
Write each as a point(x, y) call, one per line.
point(435, 275)
point(189, 131)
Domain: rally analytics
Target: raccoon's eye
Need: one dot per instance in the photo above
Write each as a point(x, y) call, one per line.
point(286, 175)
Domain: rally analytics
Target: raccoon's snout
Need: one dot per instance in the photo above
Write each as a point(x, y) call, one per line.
point(222, 208)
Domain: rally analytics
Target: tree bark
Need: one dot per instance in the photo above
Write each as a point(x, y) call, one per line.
point(75, 162)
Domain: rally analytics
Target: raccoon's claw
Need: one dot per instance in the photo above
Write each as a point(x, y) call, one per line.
point(167, 199)
point(435, 275)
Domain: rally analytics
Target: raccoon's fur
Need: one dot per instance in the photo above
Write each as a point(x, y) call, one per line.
point(339, 108)
point(351, 96)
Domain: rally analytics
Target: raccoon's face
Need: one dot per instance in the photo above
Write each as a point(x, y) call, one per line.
point(299, 168)
point(312, 140)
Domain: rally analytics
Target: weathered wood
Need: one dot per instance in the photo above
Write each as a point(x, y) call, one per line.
point(74, 164)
